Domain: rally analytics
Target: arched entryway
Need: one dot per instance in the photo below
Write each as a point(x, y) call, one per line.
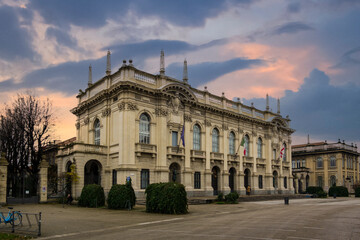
point(232, 174)
point(92, 172)
point(275, 179)
point(68, 182)
point(247, 175)
point(300, 184)
point(307, 181)
point(174, 174)
point(215, 179)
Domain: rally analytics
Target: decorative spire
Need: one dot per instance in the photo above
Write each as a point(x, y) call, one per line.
point(108, 63)
point(90, 76)
point(185, 72)
point(278, 106)
point(267, 102)
point(162, 63)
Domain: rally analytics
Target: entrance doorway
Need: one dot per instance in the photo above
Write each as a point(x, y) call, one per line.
point(247, 181)
point(92, 172)
point(215, 179)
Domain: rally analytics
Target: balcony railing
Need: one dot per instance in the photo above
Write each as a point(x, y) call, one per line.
point(175, 151)
point(216, 157)
point(325, 147)
point(142, 148)
point(83, 148)
point(275, 163)
point(260, 161)
point(197, 155)
point(233, 159)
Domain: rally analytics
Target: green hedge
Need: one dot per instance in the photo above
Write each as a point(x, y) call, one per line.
point(321, 194)
point(357, 192)
point(121, 196)
point(167, 198)
point(232, 197)
point(92, 195)
point(313, 190)
point(340, 191)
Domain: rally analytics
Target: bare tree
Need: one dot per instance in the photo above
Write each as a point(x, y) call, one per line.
point(24, 132)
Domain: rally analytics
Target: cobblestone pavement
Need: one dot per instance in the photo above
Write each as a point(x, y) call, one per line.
point(302, 219)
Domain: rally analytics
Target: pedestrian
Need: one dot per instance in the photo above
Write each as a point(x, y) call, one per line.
point(248, 190)
point(69, 199)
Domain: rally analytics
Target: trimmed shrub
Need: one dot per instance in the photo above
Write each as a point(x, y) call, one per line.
point(321, 194)
point(92, 196)
point(357, 192)
point(167, 198)
point(121, 196)
point(313, 190)
point(340, 191)
point(220, 197)
point(232, 197)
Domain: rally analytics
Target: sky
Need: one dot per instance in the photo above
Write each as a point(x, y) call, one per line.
point(306, 53)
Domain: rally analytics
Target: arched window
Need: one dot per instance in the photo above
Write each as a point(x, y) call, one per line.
point(215, 140)
point(259, 148)
point(332, 181)
point(319, 162)
point(232, 143)
point(97, 132)
point(196, 137)
point(144, 129)
point(246, 145)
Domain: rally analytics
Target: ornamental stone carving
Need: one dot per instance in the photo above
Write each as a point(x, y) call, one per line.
point(77, 125)
point(121, 106)
point(161, 112)
point(175, 103)
point(86, 120)
point(132, 106)
point(225, 127)
point(106, 112)
point(187, 118)
point(207, 123)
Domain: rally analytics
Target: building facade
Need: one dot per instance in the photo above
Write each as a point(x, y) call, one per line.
point(154, 128)
point(325, 164)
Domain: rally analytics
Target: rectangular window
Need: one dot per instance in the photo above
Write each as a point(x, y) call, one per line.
point(145, 176)
point(260, 181)
point(114, 177)
point(197, 181)
point(298, 164)
point(320, 181)
point(303, 163)
point(174, 138)
point(293, 164)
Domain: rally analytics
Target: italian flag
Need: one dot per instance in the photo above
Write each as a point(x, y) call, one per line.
point(282, 153)
point(242, 144)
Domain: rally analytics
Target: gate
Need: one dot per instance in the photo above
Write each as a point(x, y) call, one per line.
point(22, 188)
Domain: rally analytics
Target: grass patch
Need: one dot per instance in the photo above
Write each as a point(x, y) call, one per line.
point(13, 236)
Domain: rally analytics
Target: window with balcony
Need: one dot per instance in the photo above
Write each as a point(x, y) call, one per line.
point(97, 132)
point(215, 140)
point(246, 145)
point(232, 143)
point(144, 129)
point(259, 148)
point(196, 137)
point(174, 138)
point(274, 154)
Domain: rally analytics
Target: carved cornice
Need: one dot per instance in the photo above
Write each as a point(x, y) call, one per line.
point(121, 106)
point(225, 127)
point(77, 125)
point(106, 112)
point(132, 106)
point(207, 123)
point(86, 121)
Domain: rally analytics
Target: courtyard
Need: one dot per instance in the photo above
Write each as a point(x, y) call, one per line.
point(302, 219)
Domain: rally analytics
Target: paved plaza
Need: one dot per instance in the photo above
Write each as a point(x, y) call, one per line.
point(302, 219)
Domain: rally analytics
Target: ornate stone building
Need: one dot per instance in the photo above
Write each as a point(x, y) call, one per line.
point(154, 128)
point(325, 164)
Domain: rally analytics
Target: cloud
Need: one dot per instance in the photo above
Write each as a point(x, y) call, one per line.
point(61, 37)
point(204, 72)
point(291, 28)
point(15, 41)
point(350, 58)
point(320, 109)
point(293, 7)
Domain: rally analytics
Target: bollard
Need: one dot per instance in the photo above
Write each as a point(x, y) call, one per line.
point(39, 233)
point(286, 200)
point(334, 195)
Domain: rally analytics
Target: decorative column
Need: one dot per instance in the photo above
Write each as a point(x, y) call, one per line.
point(44, 165)
point(3, 178)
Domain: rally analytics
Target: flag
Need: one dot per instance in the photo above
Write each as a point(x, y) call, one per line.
point(282, 153)
point(242, 141)
point(183, 135)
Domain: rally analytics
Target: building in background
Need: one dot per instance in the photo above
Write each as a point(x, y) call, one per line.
point(154, 128)
point(325, 164)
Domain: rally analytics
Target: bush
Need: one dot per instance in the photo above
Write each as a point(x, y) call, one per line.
point(357, 192)
point(321, 194)
point(167, 198)
point(313, 190)
point(232, 197)
point(220, 197)
point(92, 195)
point(121, 196)
point(340, 191)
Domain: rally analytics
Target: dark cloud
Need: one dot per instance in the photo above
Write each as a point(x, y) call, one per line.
point(291, 28)
point(61, 37)
point(94, 13)
point(321, 109)
point(294, 7)
point(350, 58)
point(15, 41)
point(204, 72)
